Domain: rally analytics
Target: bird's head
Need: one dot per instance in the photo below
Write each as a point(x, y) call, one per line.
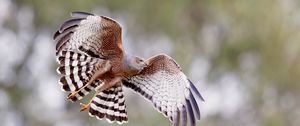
point(139, 63)
point(135, 64)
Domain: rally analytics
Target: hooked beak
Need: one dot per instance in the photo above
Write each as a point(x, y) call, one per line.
point(146, 63)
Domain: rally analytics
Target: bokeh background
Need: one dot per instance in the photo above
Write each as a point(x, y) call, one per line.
point(243, 55)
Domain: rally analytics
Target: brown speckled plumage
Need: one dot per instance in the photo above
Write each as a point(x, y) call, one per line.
point(161, 62)
point(91, 57)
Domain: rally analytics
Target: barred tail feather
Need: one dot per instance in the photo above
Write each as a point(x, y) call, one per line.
point(85, 91)
point(109, 104)
point(120, 102)
point(77, 69)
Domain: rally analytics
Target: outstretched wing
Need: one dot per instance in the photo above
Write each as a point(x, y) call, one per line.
point(167, 87)
point(97, 36)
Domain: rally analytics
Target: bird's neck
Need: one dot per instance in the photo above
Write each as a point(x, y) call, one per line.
point(128, 68)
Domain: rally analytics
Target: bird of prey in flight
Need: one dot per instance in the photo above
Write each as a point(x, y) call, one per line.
point(91, 59)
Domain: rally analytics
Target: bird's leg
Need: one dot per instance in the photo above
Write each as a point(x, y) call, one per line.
point(86, 106)
point(110, 83)
point(93, 78)
point(104, 86)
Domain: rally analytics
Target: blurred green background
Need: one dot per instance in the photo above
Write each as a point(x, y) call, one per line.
point(243, 55)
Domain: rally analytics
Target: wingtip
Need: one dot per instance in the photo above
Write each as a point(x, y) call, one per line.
point(70, 23)
point(196, 90)
point(56, 34)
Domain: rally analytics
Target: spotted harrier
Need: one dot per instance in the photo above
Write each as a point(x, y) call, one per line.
point(91, 59)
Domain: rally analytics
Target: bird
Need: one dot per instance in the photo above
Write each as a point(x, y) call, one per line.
point(93, 61)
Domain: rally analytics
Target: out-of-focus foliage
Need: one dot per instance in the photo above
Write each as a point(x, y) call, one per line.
point(244, 56)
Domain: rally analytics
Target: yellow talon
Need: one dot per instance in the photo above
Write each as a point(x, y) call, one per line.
point(84, 107)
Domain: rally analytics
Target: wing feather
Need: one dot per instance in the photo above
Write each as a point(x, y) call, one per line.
point(177, 118)
point(195, 106)
point(69, 23)
point(196, 91)
point(96, 36)
point(191, 113)
point(184, 116)
point(76, 70)
point(170, 91)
